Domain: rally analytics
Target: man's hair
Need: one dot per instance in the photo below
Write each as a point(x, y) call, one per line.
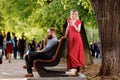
point(52, 29)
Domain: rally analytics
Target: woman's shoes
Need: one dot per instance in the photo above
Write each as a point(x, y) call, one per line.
point(72, 72)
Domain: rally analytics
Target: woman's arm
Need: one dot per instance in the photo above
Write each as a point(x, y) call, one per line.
point(77, 28)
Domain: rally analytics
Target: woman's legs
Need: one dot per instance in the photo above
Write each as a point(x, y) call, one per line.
point(9, 57)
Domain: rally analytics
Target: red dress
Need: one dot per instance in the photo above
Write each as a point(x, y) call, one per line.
point(75, 48)
point(9, 48)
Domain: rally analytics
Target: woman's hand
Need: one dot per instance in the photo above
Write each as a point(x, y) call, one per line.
point(72, 23)
point(77, 28)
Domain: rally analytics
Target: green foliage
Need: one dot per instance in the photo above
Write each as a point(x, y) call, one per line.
point(1, 21)
point(34, 17)
point(92, 35)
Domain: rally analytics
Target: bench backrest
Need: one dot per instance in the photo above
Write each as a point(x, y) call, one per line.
point(57, 55)
point(60, 49)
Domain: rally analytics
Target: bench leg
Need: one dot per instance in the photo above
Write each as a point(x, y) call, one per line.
point(47, 73)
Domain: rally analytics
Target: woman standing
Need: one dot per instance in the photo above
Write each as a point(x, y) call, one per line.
point(9, 46)
point(75, 59)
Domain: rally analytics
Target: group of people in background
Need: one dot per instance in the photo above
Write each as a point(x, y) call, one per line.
point(34, 46)
point(9, 45)
point(95, 49)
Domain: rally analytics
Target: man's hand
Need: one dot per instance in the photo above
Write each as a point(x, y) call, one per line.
point(41, 51)
point(37, 49)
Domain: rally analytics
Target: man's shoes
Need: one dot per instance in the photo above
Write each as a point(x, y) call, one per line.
point(28, 75)
point(24, 67)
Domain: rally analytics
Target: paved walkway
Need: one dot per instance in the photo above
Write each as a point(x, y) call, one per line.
point(14, 71)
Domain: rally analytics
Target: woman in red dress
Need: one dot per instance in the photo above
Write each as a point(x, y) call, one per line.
point(75, 58)
point(9, 45)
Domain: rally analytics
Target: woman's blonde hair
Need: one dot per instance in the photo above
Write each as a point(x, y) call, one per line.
point(74, 11)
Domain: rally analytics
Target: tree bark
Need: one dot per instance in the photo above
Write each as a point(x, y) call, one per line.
point(88, 57)
point(107, 14)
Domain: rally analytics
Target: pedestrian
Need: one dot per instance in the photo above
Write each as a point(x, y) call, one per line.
point(16, 46)
point(22, 46)
point(1, 46)
point(39, 46)
point(9, 46)
point(98, 50)
point(33, 45)
point(92, 48)
point(29, 46)
point(75, 56)
point(4, 50)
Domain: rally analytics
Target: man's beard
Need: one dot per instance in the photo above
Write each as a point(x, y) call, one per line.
point(50, 37)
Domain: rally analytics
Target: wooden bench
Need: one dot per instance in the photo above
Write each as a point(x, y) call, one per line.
point(40, 65)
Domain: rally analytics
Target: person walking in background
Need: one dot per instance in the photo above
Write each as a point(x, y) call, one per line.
point(1, 46)
point(75, 58)
point(16, 46)
point(33, 45)
point(98, 50)
point(1, 41)
point(39, 45)
point(4, 50)
point(9, 46)
point(22, 46)
point(29, 46)
point(92, 48)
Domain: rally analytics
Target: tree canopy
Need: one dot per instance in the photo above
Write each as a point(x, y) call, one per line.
point(35, 16)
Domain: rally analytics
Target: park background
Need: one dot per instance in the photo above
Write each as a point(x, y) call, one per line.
point(34, 17)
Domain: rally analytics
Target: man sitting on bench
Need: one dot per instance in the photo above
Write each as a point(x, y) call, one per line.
point(45, 54)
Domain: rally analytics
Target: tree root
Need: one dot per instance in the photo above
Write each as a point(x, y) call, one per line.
point(117, 77)
point(94, 76)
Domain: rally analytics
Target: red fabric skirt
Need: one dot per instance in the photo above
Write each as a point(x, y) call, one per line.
point(75, 52)
point(9, 48)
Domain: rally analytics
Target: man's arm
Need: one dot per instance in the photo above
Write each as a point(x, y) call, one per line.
point(41, 51)
point(49, 45)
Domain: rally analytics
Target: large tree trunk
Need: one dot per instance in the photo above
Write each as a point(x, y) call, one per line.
point(107, 13)
point(88, 58)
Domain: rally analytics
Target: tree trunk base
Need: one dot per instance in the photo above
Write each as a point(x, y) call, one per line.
point(110, 62)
